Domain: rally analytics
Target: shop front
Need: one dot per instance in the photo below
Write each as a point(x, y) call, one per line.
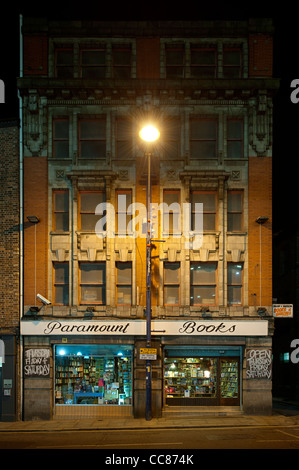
point(198, 376)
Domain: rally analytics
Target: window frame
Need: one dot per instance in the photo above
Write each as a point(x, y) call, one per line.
point(66, 284)
point(56, 211)
point(60, 139)
point(192, 284)
point(171, 215)
point(127, 47)
point(62, 66)
point(117, 193)
point(175, 47)
point(198, 191)
point(241, 212)
point(95, 65)
point(119, 284)
point(127, 141)
point(169, 284)
point(81, 139)
point(226, 66)
point(241, 285)
point(103, 285)
point(229, 139)
point(204, 48)
point(88, 212)
point(197, 157)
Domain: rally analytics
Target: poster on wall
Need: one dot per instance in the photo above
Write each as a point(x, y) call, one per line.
point(37, 362)
point(259, 364)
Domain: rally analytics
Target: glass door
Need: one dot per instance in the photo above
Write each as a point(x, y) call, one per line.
point(229, 383)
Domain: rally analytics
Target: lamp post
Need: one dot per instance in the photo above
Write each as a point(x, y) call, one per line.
point(148, 134)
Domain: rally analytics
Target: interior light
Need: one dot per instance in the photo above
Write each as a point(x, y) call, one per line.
point(79, 353)
point(120, 354)
point(61, 352)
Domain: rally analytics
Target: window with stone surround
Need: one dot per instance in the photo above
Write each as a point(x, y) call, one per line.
point(234, 283)
point(123, 141)
point(124, 283)
point(64, 62)
point(88, 202)
point(235, 140)
point(175, 60)
point(234, 211)
point(124, 213)
point(209, 205)
point(203, 283)
point(203, 61)
point(171, 283)
point(92, 283)
point(61, 283)
point(121, 61)
point(171, 212)
point(232, 62)
point(61, 138)
point(61, 211)
point(92, 138)
point(93, 62)
point(203, 138)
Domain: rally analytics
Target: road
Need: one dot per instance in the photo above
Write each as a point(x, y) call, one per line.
point(242, 437)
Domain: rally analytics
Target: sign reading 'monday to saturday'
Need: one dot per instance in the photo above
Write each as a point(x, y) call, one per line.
point(135, 328)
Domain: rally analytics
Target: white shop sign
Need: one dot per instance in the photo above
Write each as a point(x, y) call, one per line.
point(136, 328)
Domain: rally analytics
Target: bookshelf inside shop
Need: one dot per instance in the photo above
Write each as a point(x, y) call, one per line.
point(93, 380)
point(229, 382)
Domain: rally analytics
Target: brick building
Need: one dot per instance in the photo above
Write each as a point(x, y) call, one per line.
point(9, 273)
point(86, 89)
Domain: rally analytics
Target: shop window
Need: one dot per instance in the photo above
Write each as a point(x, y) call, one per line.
point(124, 147)
point(93, 375)
point(171, 283)
point(235, 138)
point(92, 283)
point(61, 138)
point(234, 211)
point(61, 283)
point(208, 200)
point(171, 212)
point(93, 63)
point(175, 58)
point(61, 211)
point(171, 139)
point(203, 138)
point(122, 61)
point(124, 283)
point(92, 138)
point(234, 283)
point(203, 283)
point(203, 62)
point(88, 203)
point(232, 63)
point(64, 62)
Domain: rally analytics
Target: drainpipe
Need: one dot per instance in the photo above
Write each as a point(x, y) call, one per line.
point(21, 217)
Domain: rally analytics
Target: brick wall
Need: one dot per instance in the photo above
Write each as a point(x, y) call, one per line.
point(260, 204)
point(35, 55)
point(148, 58)
point(260, 55)
point(35, 203)
point(9, 226)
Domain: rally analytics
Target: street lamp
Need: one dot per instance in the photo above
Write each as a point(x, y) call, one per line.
point(149, 134)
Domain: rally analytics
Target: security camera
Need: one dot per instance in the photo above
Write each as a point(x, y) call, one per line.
point(43, 299)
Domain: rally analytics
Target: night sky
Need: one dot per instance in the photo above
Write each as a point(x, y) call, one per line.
point(286, 65)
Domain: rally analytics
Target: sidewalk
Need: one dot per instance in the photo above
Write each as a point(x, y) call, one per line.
point(280, 417)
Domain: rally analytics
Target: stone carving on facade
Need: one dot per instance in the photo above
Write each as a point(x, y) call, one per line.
point(260, 124)
point(35, 128)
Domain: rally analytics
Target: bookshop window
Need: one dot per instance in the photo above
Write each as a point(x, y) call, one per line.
point(190, 377)
point(61, 138)
point(61, 211)
point(93, 375)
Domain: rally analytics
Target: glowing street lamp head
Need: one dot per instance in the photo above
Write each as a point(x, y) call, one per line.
point(149, 133)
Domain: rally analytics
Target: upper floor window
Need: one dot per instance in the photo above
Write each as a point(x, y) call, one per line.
point(208, 200)
point(234, 211)
point(64, 62)
point(124, 283)
point(234, 283)
point(203, 138)
point(87, 206)
point(123, 138)
point(203, 283)
point(121, 61)
point(61, 211)
point(203, 62)
point(171, 283)
point(92, 138)
point(124, 213)
point(235, 138)
point(93, 63)
point(232, 63)
point(175, 60)
point(61, 283)
point(93, 283)
point(171, 212)
point(61, 138)
point(171, 138)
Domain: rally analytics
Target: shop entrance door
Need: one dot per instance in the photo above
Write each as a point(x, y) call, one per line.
point(229, 382)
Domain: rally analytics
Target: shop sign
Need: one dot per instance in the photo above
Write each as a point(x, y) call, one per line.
point(138, 328)
point(150, 354)
point(259, 364)
point(283, 311)
point(37, 362)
